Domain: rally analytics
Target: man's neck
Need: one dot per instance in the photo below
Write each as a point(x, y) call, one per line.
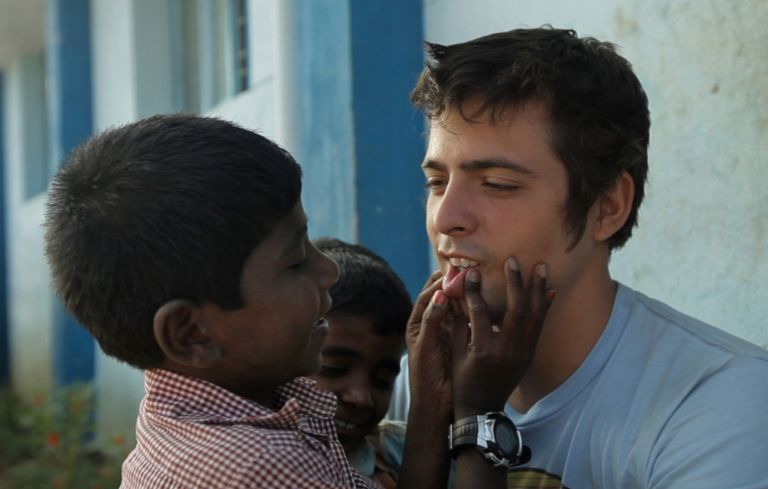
point(574, 324)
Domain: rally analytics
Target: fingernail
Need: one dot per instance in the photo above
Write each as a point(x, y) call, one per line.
point(542, 270)
point(551, 295)
point(473, 275)
point(513, 265)
point(440, 298)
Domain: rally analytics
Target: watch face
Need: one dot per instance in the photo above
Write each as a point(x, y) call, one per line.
point(506, 438)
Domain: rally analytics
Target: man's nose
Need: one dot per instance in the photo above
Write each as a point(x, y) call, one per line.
point(452, 213)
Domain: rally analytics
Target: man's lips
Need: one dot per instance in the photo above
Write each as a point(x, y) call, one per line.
point(453, 281)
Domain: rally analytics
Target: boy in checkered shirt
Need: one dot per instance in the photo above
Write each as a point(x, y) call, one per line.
point(180, 243)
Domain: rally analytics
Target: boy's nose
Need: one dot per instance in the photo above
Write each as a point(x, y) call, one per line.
point(452, 212)
point(358, 395)
point(329, 271)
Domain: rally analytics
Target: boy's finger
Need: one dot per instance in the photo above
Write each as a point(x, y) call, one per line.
point(517, 304)
point(422, 301)
point(459, 338)
point(432, 319)
point(539, 299)
point(479, 319)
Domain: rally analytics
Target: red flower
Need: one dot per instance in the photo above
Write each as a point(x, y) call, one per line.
point(53, 440)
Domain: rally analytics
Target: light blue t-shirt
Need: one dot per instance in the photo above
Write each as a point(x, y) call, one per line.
point(662, 401)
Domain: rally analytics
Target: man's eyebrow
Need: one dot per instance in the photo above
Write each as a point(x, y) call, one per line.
point(340, 351)
point(296, 240)
point(483, 164)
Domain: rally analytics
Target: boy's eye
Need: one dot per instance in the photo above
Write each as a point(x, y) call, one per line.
point(299, 264)
point(384, 380)
point(331, 371)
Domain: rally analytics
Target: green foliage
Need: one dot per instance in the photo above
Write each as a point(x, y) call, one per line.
point(48, 442)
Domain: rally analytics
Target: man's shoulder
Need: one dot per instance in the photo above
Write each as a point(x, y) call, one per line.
point(662, 322)
point(680, 362)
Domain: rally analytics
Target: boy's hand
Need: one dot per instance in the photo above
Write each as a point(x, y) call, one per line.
point(425, 456)
point(429, 346)
point(490, 360)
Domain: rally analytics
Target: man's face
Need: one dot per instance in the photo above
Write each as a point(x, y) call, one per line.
point(360, 367)
point(497, 190)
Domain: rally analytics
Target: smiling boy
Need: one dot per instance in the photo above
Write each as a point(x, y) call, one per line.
point(538, 149)
point(361, 357)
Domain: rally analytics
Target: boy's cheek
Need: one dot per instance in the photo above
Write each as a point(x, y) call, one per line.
point(321, 382)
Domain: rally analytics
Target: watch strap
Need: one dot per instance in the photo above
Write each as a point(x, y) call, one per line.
point(464, 432)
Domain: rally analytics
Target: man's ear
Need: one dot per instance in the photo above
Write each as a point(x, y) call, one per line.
point(613, 207)
point(183, 335)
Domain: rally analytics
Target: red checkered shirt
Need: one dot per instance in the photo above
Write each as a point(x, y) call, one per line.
point(193, 434)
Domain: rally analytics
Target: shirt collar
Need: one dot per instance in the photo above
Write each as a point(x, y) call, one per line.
point(178, 396)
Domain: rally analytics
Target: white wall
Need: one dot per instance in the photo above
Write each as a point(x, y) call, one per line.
point(117, 93)
point(702, 244)
point(29, 294)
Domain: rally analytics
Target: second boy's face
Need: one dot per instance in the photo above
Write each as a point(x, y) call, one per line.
point(496, 190)
point(360, 367)
point(278, 334)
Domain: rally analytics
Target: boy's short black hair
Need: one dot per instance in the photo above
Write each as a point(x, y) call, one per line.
point(169, 207)
point(367, 287)
point(597, 107)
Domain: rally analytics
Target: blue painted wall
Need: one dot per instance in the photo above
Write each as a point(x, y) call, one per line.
point(359, 141)
point(70, 118)
point(4, 353)
point(324, 131)
point(386, 46)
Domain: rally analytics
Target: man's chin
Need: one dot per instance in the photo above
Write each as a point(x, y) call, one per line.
point(495, 312)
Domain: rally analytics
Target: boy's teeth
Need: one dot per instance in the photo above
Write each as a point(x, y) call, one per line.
point(343, 425)
point(462, 262)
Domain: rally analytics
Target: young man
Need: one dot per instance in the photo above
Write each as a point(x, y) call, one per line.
point(180, 243)
point(361, 357)
point(538, 148)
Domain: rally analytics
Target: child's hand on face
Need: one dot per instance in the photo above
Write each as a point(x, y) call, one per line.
point(428, 345)
point(489, 360)
point(469, 363)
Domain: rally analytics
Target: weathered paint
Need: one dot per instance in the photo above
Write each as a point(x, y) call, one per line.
point(386, 39)
point(322, 89)
point(358, 139)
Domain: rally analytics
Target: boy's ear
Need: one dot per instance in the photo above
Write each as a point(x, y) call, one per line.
point(614, 207)
point(183, 335)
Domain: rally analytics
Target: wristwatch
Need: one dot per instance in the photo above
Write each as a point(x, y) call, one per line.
point(495, 437)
